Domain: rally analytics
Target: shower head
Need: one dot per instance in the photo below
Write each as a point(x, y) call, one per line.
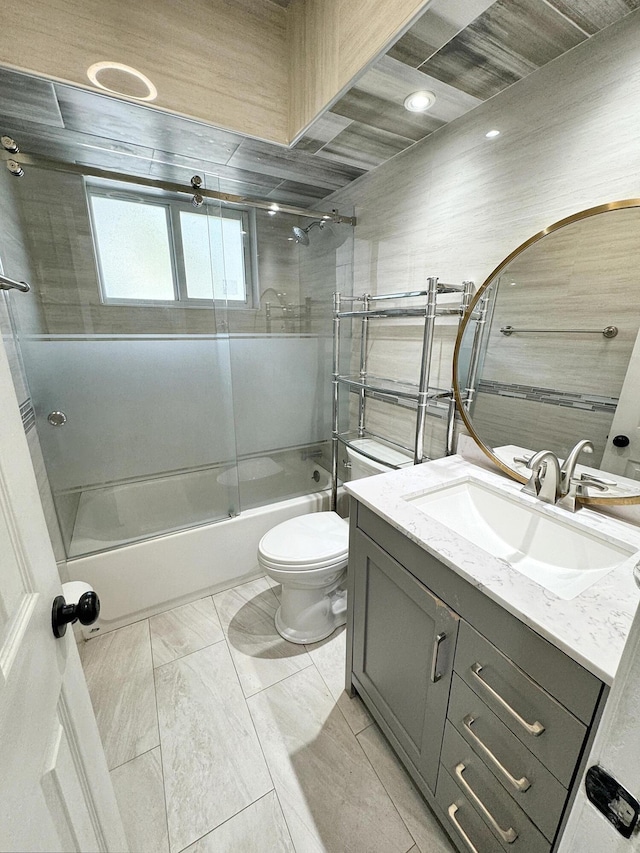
point(301, 235)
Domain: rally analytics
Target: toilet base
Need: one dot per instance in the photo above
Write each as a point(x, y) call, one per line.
point(310, 615)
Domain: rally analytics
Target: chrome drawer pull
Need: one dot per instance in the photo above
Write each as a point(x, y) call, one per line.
point(435, 675)
point(453, 808)
point(522, 784)
point(534, 729)
point(507, 835)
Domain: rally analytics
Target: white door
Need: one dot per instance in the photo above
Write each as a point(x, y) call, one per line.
point(55, 790)
point(625, 461)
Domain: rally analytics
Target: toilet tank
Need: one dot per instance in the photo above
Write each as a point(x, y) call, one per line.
point(363, 467)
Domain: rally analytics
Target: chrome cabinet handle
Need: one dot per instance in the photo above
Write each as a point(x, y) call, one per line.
point(534, 729)
point(451, 811)
point(522, 784)
point(435, 675)
point(507, 835)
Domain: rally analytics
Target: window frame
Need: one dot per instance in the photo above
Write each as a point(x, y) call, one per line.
point(173, 207)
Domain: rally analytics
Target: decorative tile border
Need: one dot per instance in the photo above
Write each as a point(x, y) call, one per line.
point(28, 415)
point(551, 396)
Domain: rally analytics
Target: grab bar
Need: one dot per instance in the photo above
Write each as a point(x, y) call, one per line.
point(7, 283)
point(607, 332)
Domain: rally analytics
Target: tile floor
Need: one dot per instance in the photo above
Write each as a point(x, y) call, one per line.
point(220, 736)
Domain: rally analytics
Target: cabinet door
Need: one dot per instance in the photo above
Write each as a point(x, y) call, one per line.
point(403, 644)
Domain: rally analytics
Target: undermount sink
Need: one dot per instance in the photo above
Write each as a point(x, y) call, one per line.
point(557, 552)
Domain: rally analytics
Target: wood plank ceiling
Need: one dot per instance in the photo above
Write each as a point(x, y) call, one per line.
point(464, 51)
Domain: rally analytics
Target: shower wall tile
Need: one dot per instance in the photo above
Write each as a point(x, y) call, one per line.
point(32, 100)
point(324, 783)
point(507, 420)
point(139, 790)
point(456, 204)
point(259, 828)
point(364, 147)
point(389, 115)
point(117, 119)
point(200, 701)
point(322, 131)
point(260, 655)
point(592, 16)
point(61, 248)
point(513, 37)
point(119, 673)
point(291, 165)
point(184, 630)
point(390, 80)
point(438, 25)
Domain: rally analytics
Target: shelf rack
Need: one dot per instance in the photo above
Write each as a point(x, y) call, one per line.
point(418, 395)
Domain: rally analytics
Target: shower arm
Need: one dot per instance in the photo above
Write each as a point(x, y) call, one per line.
point(7, 283)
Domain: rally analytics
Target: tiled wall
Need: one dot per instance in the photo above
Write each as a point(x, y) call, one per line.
point(457, 203)
point(54, 213)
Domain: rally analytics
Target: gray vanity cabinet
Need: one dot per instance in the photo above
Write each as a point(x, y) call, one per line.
point(492, 721)
point(403, 644)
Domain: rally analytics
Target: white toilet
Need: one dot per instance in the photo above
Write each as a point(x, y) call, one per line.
point(308, 555)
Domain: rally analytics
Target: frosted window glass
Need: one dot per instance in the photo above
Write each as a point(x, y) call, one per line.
point(213, 257)
point(133, 246)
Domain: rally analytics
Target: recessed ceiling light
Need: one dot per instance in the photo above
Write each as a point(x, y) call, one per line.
point(491, 134)
point(114, 71)
point(418, 102)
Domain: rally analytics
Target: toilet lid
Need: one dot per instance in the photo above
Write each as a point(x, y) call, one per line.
point(319, 537)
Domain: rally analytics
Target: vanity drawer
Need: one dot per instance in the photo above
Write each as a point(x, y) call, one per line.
point(502, 815)
point(543, 725)
point(463, 821)
point(534, 788)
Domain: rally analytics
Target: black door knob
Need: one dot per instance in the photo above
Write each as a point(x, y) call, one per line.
point(621, 440)
point(86, 611)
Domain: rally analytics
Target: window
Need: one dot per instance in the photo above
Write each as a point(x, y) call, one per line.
point(150, 250)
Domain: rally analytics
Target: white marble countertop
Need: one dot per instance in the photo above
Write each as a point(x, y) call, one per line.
point(591, 628)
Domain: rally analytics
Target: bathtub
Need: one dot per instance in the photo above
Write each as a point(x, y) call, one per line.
point(146, 577)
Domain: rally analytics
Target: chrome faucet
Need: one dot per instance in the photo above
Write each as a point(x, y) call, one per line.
point(544, 482)
point(554, 484)
point(569, 465)
point(578, 489)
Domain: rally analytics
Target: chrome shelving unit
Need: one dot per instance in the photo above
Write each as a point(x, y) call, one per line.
point(418, 395)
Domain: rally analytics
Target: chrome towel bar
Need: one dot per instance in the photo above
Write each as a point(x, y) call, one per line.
point(607, 332)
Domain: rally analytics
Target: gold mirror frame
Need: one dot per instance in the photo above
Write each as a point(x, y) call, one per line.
point(568, 220)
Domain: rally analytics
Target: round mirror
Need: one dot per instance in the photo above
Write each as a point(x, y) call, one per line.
point(549, 352)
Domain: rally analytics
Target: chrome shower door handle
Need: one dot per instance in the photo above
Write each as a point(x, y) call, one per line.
point(57, 419)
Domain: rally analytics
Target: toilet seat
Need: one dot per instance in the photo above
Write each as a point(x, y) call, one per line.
point(313, 541)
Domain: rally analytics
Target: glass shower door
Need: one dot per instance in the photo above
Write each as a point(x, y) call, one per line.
point(127, 367)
